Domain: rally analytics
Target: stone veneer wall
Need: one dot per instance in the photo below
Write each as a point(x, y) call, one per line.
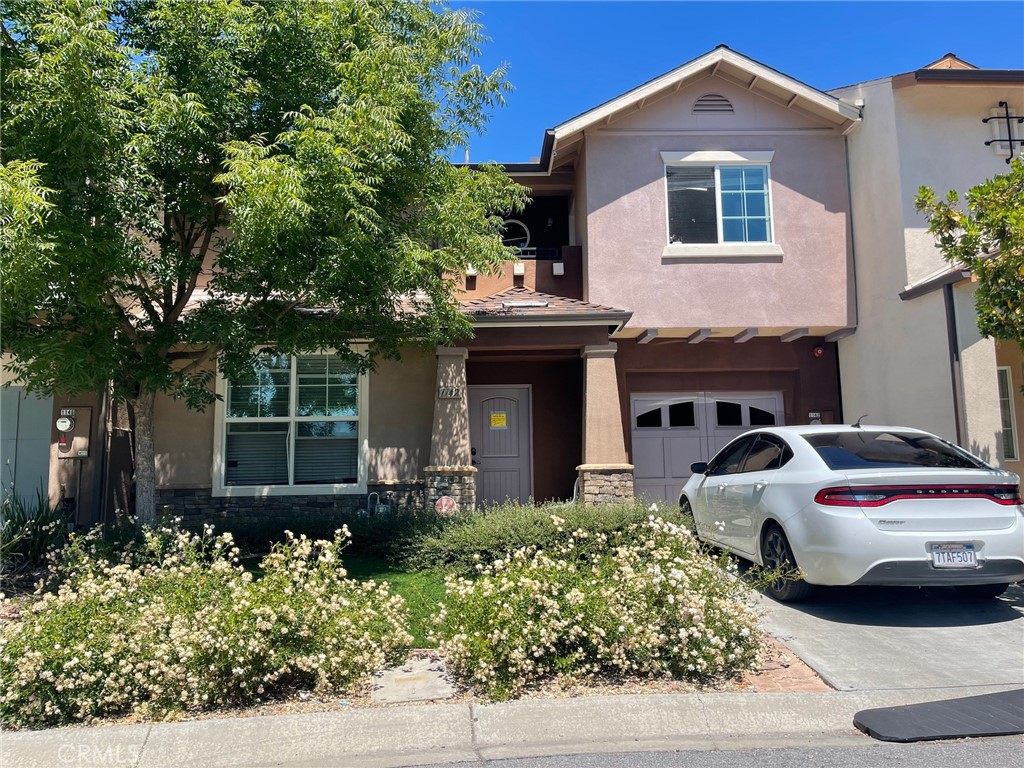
point(604, 485)
point(457, 482)
point(198, 505)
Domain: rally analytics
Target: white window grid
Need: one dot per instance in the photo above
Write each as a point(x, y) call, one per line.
point(222, 420)
point(718, 203)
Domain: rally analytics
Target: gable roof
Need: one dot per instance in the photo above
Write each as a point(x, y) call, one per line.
point(726, 63)
point(523, 305)
point(949, 61)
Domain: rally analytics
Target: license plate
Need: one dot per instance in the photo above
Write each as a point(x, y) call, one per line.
point(954, 556)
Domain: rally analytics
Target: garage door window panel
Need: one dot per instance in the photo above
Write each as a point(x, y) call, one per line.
point(649, 419)
point(682, 415)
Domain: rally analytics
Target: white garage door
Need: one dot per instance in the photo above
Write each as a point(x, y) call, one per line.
point(672, 431)
point(24, 443)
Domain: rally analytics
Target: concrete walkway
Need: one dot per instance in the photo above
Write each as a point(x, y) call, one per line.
point(442, 733)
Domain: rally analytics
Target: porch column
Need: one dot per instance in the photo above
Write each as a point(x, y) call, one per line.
point(451, 471)
point(605, 474)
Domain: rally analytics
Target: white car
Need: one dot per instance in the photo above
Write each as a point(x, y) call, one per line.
point(861, 505)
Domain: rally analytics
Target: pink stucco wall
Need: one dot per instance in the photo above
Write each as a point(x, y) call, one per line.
point(809, 285)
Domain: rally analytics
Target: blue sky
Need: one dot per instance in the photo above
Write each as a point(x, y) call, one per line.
point(566, 57)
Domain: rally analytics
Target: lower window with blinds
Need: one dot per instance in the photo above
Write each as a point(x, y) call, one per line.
point(293, 422)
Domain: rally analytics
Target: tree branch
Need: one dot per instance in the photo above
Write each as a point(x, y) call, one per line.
point(10, 42)
point(205, 355)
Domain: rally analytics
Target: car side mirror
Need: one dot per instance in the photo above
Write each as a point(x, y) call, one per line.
point(699, 467)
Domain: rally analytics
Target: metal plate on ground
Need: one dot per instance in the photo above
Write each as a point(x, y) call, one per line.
point(993, 714)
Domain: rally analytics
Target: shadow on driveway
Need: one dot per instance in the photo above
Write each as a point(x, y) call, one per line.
point(912, 606)
point(885, 638)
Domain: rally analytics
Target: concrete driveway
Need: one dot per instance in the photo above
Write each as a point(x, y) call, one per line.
point(892, 638)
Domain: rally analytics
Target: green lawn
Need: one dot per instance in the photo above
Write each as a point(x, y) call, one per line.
point(423, 590)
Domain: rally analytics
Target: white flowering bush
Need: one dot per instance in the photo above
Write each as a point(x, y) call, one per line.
point(458, 543)
point(174, 623)
point(644, 602)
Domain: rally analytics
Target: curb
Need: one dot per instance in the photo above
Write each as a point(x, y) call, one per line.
point(445, 733)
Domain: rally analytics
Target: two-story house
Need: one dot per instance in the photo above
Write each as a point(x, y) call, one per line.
point(685, 272)
point(917, 357)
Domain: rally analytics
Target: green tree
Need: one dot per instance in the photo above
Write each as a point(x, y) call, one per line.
point(189, 183)
point(987, 238)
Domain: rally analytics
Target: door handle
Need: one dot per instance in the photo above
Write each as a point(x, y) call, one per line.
point(759, 486)
point(721, 487)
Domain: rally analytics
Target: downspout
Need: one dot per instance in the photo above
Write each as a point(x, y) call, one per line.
point(103, 439)
point(955, 371)
point(840, 417)
point(853, 236)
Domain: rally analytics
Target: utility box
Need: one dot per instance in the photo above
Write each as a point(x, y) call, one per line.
point(74, 426)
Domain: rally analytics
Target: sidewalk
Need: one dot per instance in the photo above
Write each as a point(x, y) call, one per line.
point(440, 733)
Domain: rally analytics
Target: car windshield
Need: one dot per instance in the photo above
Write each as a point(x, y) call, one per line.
point(868, 449)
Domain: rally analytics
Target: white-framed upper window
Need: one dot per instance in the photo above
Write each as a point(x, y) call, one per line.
point(296, 424)
point(718, 197)
point(1010, 451)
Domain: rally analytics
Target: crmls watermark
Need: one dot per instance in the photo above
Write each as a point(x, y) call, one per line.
point(97, 754)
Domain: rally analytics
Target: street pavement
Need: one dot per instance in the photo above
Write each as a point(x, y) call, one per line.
point(886, 638)
point(978, 752)
point(446, 733)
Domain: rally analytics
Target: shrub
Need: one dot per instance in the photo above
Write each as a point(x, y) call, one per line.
point(461, 542)
point(643, 602)
point(386, 536)
point(176, 624)
point(28, 530)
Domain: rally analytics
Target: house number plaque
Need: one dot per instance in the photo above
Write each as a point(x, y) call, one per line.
point(449, 393)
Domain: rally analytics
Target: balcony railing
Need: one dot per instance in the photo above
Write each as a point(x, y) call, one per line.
point(540, 253)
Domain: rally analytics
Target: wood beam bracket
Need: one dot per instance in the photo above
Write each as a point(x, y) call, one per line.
point(647, 336)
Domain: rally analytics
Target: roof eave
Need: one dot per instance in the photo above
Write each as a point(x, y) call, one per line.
point(845, 114)
point(959, 77)
point(617, 319)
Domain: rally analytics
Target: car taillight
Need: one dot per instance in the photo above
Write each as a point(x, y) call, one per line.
point(1008, 494)
point(876, 496)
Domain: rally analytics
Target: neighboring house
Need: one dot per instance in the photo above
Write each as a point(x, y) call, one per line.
point(917, 357)
point(686, 270)
point(24, 441)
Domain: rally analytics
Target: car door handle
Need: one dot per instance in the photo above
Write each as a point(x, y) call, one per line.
point(759, 486)
point(721, 487)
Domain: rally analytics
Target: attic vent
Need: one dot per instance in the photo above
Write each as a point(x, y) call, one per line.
point(711, 102)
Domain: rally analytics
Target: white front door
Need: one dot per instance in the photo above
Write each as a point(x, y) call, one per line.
point(500, 435)
point(672, 431)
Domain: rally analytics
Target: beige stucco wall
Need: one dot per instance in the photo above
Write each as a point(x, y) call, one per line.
point(981, 388)
point(896, 366)
point(401, 414)
point(1009, 355)
point(627, 219)
point(401, 400)
point(580, 218)
point(183, 441)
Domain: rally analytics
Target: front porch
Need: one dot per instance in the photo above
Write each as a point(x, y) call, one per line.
point(529, 408)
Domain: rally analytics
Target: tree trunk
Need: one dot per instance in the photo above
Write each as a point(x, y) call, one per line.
point(145, 458)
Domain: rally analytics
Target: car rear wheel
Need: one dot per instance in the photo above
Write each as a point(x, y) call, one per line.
point(777, 554)
point(981, 591)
